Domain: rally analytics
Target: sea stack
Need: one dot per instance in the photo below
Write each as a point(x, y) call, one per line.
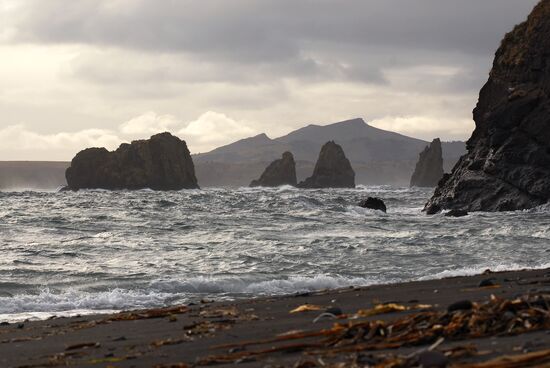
point(429, 169)
point(162, 162)
point(507, 166)
point(332, 170)
point(279, 172)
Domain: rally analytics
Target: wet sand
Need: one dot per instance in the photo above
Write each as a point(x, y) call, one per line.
point(191, 335)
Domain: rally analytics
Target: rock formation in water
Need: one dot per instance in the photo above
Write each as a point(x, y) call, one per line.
point(162, 162)
point(429, 169)
point(374, 204)
point(456, 213)
point(279, 172)
point(332, 170)
point(507, 166)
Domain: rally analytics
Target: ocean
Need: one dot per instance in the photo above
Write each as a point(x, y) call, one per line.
point(99, 251)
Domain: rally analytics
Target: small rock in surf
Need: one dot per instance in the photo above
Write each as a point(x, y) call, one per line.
point(374, 204)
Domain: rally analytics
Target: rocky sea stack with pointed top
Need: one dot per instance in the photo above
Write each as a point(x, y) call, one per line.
point(332, 170)
point(279, 172)
point(507, 166)
point(162, 162)
point(429, 169)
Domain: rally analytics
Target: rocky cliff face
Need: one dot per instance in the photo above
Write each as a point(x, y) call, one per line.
point(429, 169)
point(507, 166)
point(332, 170)
point(162, 162)
point(279, 172)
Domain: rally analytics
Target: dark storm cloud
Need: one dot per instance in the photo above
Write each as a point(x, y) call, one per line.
point(273, 30)
point(264, 41)
point(256, 41)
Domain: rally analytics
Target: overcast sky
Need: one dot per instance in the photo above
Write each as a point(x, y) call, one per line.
point(79, 73)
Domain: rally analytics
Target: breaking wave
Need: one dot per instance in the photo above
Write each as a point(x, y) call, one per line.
point(97, 251)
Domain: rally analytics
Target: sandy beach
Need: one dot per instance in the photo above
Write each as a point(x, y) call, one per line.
point(385, 325)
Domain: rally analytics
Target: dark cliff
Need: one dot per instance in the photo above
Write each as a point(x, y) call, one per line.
point(507, 166)
point(332, 170)
point(162, 162)
point(279, 172)
point(429, 169)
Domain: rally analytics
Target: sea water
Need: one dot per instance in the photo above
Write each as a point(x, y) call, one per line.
point(100, 251)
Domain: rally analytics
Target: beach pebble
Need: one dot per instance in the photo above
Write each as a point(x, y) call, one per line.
point(487, 282)
point(432, 359)
point(334, 310)
point(460, 305)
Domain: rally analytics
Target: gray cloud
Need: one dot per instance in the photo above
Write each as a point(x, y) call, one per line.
point(253, 41)
point(411, 65)
point(268, 30)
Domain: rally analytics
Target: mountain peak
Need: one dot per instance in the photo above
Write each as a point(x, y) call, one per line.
point(343, 130)
point(358, 122)
point(260, 138)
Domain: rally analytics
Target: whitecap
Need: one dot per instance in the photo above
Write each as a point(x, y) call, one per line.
point(479, 269)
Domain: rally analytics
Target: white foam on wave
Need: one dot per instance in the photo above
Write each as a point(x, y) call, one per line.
point(40, 316)
point(279, 189)
point(356, 211)
point(545, 208)
point(214, 285)
point(477, 270)
point(383, 189)
point(72, 302)
point(360, 212)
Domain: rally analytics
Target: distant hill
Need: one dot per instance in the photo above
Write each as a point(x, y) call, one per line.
point(378, 156)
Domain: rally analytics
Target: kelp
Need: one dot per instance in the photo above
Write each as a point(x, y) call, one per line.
point(148, 314)
point(387, 308)
point(496, 317)
point(534, 359)
point(306, 308)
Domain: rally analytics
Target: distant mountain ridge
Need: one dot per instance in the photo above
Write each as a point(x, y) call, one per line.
point(378, 156)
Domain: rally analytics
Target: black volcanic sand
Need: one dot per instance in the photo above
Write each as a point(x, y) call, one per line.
point(181, 337)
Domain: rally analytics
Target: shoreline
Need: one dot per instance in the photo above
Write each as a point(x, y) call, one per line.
point(184, 335)
point(31, 316)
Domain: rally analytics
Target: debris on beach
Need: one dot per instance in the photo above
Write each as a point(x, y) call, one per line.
point(463, 321)
point(148, 314)
point(387, 308)
point(83, 345)
point(306, 308)
point(536, 359)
